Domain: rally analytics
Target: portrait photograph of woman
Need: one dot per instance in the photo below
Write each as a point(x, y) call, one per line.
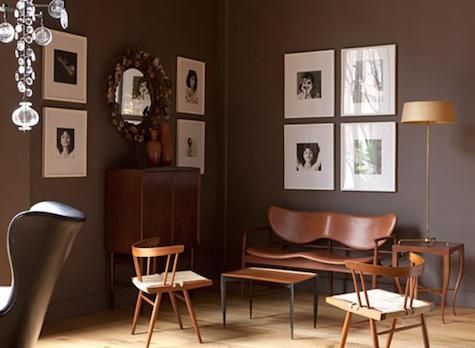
point(191, 91)
point(308, 157)
point(190, 86)
point(65, 142)
point(309, 85)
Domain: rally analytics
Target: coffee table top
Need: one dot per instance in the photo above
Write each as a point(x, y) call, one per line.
point(271, 275)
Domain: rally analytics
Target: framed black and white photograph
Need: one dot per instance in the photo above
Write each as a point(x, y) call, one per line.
point(309, 156)
point(190, 86)
point(134, 95)
point(190, 138)
point(65, 68)
point(368, 156)
point(309, 80)
point(64, 143)
point(368, 81)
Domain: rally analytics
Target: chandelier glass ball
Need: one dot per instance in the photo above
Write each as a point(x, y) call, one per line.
point(55, 8)
point(43, 36)
point(7, 32)
point(25, 116)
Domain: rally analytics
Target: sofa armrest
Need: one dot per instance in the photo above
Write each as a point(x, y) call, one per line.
point(244, 240)
point(377, 245)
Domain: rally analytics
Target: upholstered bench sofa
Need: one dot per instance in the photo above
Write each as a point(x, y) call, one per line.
point(319, 241)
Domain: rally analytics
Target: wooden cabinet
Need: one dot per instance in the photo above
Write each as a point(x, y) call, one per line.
point(154, 202)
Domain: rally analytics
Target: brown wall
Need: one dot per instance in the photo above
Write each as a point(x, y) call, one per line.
point(435, 61)
point(166, 28)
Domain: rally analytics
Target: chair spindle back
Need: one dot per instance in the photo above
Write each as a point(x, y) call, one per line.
point(150, 249)
point(411, 273)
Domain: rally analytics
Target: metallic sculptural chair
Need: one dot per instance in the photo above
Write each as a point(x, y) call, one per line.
point(154, 284)
point(381, 305)
point(39, 242)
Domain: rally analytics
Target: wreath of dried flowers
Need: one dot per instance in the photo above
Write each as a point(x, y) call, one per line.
point(159, 85)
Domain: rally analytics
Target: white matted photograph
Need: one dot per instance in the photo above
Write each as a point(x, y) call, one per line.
point(309, 84)
point(309, 156)
point(65, 68)
point(190, 86)
point(190, 138)
point(368, 156)
point(368, 81)
point(64, 143)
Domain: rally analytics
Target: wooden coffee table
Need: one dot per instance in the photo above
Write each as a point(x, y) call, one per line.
point(272, 276)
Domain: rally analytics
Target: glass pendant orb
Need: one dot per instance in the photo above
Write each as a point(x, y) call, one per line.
point(20, 45)
point(55, 7)
point(20, 5)
point(64, 19)
point(43, 36)
point(25, 117)
point(7, 32)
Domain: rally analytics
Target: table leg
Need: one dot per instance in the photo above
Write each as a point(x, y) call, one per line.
point(395, 263)
point(111, 281)
point(292, 296)
point(250, 299)
point(223, 299)
point(459, 277)
point(445, 284)
point(315, 302)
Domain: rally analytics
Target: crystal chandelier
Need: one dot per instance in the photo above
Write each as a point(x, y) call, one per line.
point(24, 33)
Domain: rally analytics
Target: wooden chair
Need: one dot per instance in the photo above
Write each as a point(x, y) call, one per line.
point(156, 284)
point(381, 305)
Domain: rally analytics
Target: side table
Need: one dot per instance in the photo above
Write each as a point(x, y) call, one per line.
point(440, 248)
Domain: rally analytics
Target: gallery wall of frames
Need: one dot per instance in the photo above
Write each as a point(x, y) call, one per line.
point(367, 149)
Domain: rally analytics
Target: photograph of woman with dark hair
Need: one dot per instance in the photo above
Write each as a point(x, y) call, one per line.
point(308, 85)
point(308, 157)
point(65, 142)
point(191, 95)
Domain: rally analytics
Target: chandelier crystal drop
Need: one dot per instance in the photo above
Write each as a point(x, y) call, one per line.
point(24, 33)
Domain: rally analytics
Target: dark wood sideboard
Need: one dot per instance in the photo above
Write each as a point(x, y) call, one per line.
point(154, 202)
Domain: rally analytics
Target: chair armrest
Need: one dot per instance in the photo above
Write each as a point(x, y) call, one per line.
point(376, 246)
point(244, 240)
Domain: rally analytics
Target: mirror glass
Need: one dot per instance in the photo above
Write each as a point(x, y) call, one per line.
point(132, 95)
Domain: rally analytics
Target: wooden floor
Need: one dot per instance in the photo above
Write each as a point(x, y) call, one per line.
point(268, 328)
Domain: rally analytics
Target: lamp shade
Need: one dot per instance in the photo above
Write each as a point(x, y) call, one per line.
point(424, 112)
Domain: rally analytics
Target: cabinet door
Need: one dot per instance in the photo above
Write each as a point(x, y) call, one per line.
point(185, 197)
point(123, 209)
point(157, 206)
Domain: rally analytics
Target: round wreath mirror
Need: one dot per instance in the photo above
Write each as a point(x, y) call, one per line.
point(138, 95)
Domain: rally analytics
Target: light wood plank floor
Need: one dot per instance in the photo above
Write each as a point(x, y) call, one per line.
point(269, 328)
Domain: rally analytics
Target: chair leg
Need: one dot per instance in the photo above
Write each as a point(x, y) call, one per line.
point(330, 282)
point(390, 335)
point(153, 318)
point(374, 333)
point(192, 314)
point(346, 328)
point(175, 309)
point(138, 306)
point(425, 335)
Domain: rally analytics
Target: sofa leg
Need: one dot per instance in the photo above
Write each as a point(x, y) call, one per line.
point(330, 282)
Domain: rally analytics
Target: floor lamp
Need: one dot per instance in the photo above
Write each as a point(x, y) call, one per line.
point(428, 113)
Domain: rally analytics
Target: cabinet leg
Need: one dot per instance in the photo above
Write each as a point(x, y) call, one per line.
point(111, 281)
